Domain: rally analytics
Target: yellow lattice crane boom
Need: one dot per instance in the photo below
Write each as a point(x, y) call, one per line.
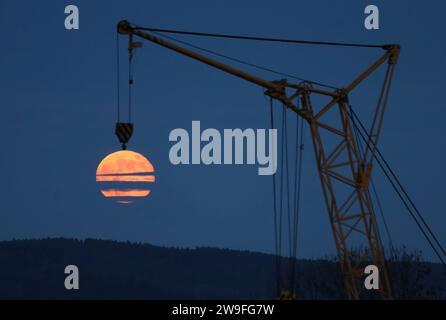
point(344, 170)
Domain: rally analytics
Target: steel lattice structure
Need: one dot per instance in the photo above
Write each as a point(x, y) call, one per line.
point(344, 170)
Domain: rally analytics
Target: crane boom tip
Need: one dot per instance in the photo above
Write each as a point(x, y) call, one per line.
point(124, 27)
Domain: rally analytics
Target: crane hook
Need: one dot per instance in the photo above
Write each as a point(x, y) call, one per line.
point(124, 131)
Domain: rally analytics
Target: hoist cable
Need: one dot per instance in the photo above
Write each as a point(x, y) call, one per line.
point(130, 78)
point(282, 150)
point(247, 63)
point(376, 195)
point(297, 191)
point(288, 198)
point(265, 39)
point(118, 77)
point(381, 213)
point(378, 152)
point(287, 181)
point(276, 241)
point(296, 157)
point(395, 184)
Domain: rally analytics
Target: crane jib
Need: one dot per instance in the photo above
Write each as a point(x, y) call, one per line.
point(347, 221)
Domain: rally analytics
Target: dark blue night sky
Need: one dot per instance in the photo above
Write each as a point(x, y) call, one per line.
point(58, 110)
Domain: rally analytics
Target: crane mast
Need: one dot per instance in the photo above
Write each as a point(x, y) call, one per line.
point(344, 169)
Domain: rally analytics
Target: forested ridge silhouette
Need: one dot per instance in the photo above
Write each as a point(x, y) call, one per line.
point(34, 269)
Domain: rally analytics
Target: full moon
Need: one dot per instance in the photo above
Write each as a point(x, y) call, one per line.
point(125, 176)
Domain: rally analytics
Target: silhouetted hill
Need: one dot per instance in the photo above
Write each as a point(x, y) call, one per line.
point(34, 269)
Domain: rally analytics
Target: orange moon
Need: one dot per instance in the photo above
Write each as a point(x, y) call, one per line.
point(125, 175)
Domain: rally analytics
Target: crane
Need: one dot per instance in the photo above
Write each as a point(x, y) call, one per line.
point(344, 170)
